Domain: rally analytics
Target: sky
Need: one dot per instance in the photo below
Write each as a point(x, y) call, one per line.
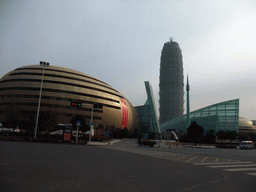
point(120, 43)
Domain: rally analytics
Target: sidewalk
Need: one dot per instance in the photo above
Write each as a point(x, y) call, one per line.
point(172, 143)
point(96, 143)
point(200, 146)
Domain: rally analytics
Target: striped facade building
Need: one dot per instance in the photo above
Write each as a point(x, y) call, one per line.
point(20, 88)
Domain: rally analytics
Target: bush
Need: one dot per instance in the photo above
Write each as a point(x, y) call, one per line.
point(210, 137)
point(184, 138)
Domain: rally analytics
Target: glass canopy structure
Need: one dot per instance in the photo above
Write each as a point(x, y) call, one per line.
point(148, 113)
point(220, 116)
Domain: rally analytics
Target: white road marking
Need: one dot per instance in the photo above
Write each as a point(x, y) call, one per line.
point(247, 165)
point(203, 159)
point(180, 158)
point(241, 169)
point(170, 157)
point(224, 163)
point(253, 154)
point(191, 159)
point(254, 174)
point(154, 155)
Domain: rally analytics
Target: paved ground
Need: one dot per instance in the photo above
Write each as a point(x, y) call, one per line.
point(172, 152)
point(119, 167)
point(235, 160)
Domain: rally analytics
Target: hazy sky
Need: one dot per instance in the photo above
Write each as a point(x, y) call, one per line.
point(120, 43)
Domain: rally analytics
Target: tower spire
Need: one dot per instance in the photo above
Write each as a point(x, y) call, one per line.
point(187, 87)
point(188, 105)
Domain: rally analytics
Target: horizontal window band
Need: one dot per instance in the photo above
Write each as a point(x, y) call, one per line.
point(45, 97)
point(56, 91)
point(50, 105)
point(63, 106)
point(85, 116)
point(60, 76)
point(47, 69)
point(62, 114)
point(57, 83)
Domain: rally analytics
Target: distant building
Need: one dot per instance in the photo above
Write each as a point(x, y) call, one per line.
point(171, 84)
point(246, 129)
point(148, 112)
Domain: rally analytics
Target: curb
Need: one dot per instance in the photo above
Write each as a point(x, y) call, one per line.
point(93, 143)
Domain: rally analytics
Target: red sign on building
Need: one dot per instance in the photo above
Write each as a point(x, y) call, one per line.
point(125, 114)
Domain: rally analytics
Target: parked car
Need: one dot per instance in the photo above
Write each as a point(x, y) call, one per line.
point(246, 145)
point(5, 129)
point(146, 143)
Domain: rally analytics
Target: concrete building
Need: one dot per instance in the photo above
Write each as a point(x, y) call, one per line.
point(171, 83)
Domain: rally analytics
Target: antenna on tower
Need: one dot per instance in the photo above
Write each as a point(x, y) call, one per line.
point(170, 39)
point(187, 87)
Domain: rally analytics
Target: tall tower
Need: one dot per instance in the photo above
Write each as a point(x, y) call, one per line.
point(171, 84)
point(188, 105)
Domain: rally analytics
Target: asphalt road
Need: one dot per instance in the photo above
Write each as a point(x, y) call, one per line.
point(121, 167)
point(220, 153)
point(235, 154)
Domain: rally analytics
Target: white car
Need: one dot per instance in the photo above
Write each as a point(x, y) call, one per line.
point(246, 145)
point(5, 129)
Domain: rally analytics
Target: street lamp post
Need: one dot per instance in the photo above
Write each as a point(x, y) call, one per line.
point(91, 125)
point(44, 64)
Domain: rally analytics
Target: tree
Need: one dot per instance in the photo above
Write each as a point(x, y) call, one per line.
point(195, 132)
point(136, 133)
point(117, 133)
point(124, 132)
point(221, 135)
point(47, 120)
point(14, 116)
point(242, 137)
point(152, 135)
point(99, 130)
point(184, 138)
point(231, 135)
point(253, 137)
point(210, 136)
point(112, 130)
point(106, 131)
point(107, 128)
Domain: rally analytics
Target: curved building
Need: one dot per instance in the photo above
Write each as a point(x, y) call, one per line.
point(171, 84)
point(220, 116)
point(19, 93)
point(246, 129)
point(246, 125)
